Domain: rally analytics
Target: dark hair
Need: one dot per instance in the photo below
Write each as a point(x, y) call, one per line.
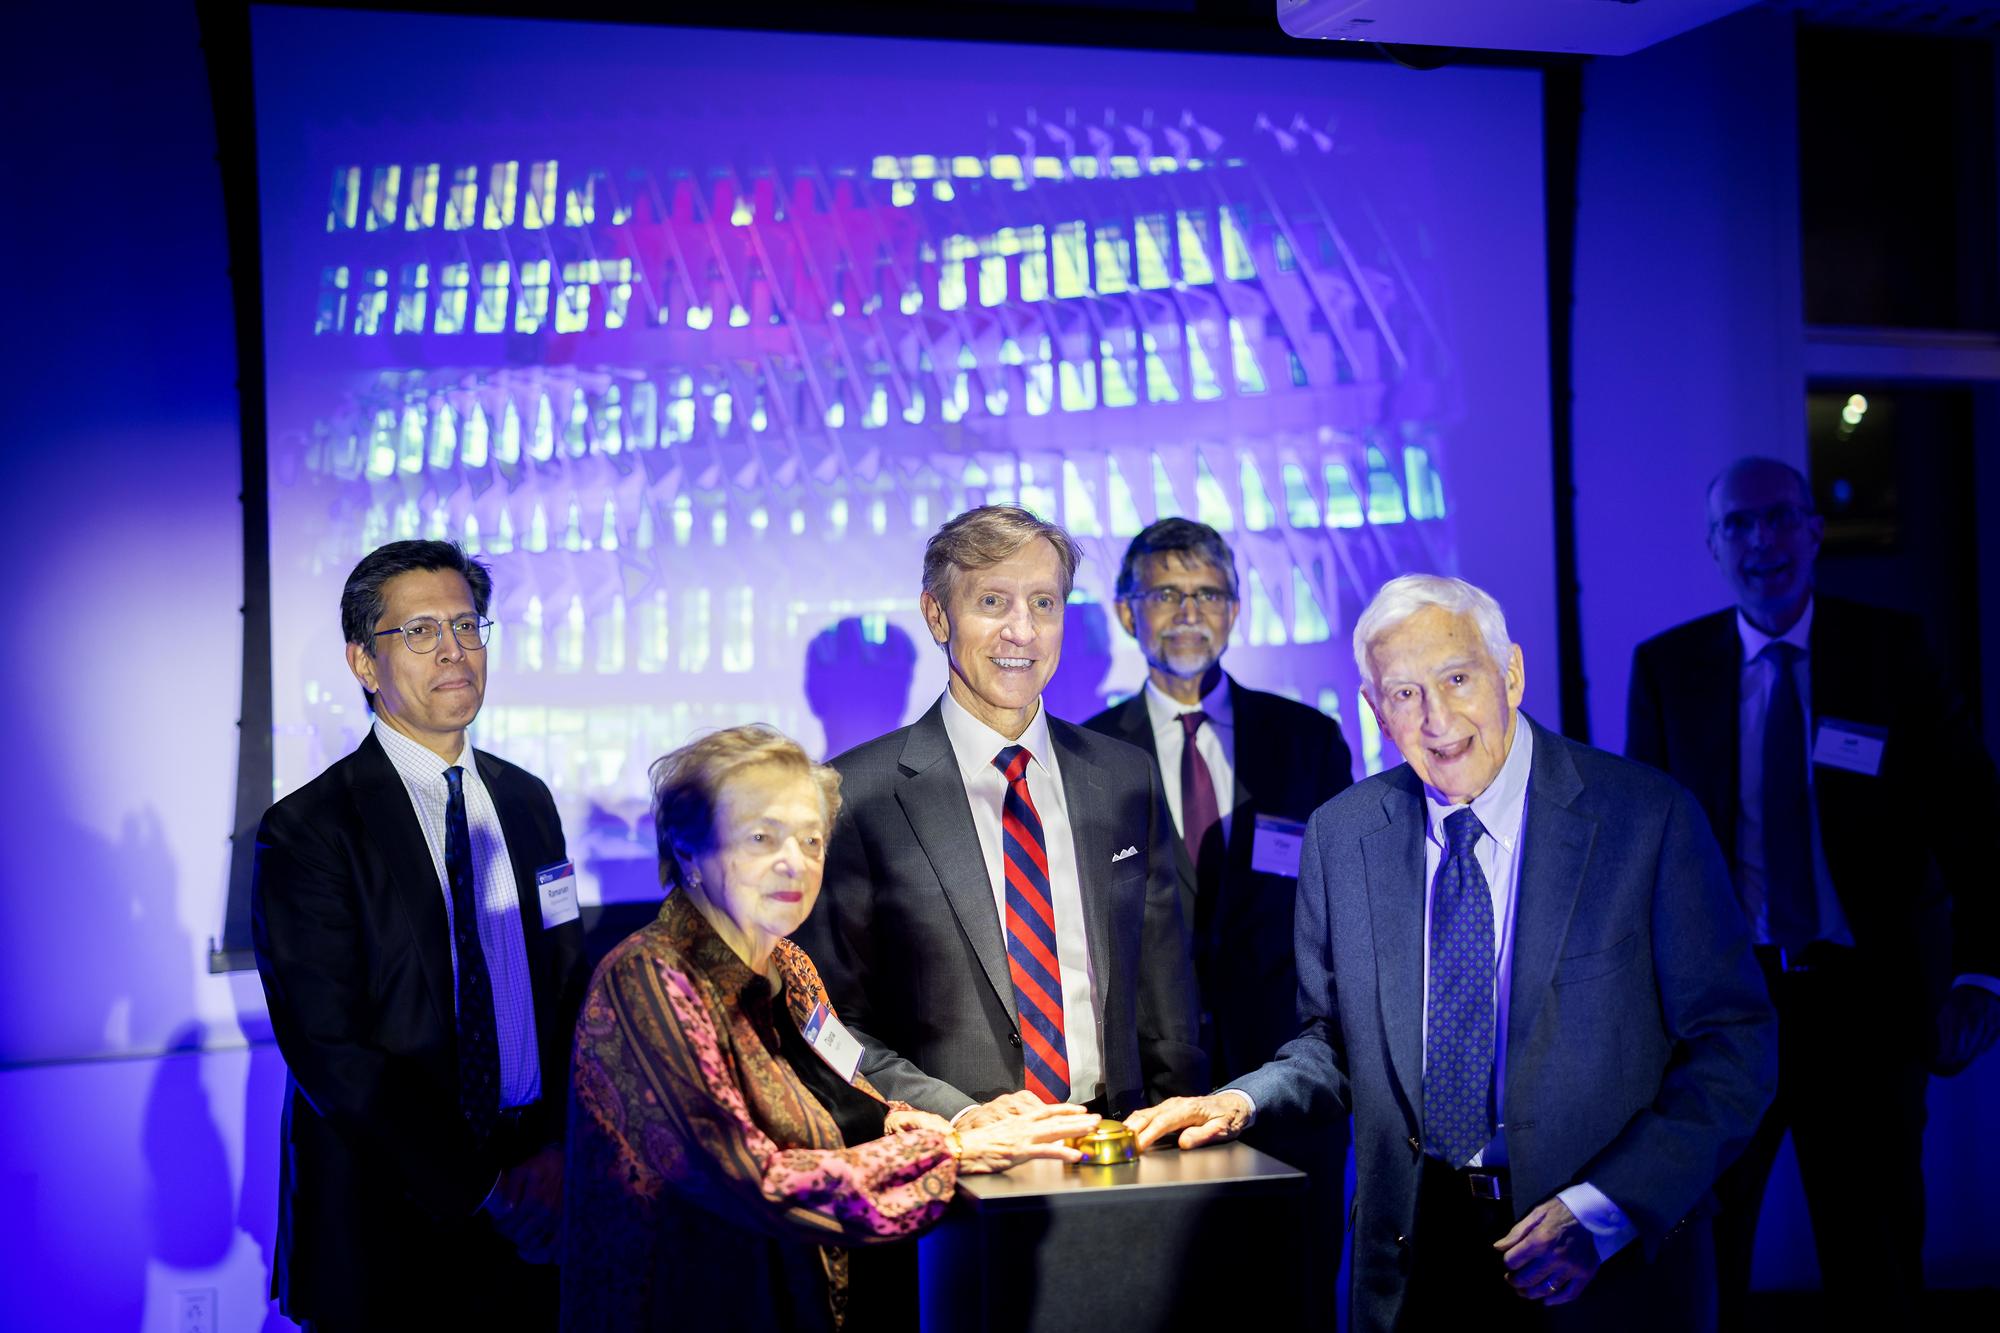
point(983, 537)
point(362, 602)
point(1184, 537)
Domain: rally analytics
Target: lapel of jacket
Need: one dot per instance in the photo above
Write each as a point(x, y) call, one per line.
point(1715, 714)
point(934, 801)
point(1393, 863)
point(1554, 852)
point(1261, 754)
point(1257, 753)
point(1085, 795)
point(1135, 724)
point(524, 846)
point(391, 824)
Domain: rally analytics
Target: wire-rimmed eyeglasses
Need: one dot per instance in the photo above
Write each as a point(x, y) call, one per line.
point(424, 633)
point(1172, 599)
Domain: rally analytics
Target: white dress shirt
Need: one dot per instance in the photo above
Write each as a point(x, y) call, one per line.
point(1215, 743)
point(501, 937)
point(1753, 704)
point(974, 744)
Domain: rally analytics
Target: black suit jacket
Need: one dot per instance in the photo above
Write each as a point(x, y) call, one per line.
point(378, 1173)
point(908, 941)
point(1927, 824)
point(1289, 760)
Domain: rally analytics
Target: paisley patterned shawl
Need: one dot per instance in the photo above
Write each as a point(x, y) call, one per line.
point(680, 1096)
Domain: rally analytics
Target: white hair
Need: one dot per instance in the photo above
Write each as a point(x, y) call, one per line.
point(1405, 595)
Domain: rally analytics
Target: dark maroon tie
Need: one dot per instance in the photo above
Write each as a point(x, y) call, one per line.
point(1199, 813)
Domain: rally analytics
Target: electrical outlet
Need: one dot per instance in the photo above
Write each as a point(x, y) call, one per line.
point(197, 1312)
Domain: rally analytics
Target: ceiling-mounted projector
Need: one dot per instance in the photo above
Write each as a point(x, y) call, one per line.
point(1577, 27)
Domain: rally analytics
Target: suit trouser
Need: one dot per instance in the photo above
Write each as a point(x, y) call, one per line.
point(1856, 1116)
point(1457, 1279)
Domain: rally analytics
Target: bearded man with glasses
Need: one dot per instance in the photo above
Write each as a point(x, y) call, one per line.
point(1242, 770)
point(418, 936)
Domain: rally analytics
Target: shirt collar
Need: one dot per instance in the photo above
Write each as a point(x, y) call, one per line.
point(1163, 712)
point(1498, 808)
point(975, 744)
point(415, 762)
point(1756, 641)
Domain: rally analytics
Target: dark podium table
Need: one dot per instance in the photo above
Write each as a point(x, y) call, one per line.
point(1168, 1242)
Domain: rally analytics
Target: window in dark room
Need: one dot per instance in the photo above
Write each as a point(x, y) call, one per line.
point(1896, 180)
point(1893, 472)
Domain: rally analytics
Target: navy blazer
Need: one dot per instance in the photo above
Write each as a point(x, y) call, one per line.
point(352, 944)
point(1640, 1043)
point(908, 940)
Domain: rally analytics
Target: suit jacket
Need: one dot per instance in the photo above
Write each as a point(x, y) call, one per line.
point(910, 946)
point(1640, 1043)
point(378, 1172)
point(1289, 760)
point(1934, 806)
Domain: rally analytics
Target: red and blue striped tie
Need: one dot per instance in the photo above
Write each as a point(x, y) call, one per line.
point(1031, 934)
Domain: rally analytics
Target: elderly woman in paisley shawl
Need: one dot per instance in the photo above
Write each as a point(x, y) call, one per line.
point(723, 1150)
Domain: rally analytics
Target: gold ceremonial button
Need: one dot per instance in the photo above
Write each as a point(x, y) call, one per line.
point(1110, 1144)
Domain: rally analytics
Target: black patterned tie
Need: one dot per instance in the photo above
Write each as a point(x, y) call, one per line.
point(1791, 906)
point(1458, 1040)
point(478, 1047)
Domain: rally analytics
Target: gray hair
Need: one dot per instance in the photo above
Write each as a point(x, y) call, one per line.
point(1405, 595)
point(688, 783)
point(983, 537)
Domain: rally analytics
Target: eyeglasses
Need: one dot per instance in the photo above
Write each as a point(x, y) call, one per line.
point(1172, 599)
point(1738, 524)
point(423, 634)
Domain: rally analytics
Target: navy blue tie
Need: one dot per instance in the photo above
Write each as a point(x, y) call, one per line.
point(1458, 1037)
point(478, 1044)
point(1791, 905)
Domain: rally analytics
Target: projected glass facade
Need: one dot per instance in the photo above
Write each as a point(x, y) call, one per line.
point(700, 410)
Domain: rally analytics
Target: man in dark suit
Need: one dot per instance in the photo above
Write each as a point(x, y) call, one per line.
point(1847, 783)
point(999, 918)
point(1551, 1051)
point(416, 928)
point(1242, 771)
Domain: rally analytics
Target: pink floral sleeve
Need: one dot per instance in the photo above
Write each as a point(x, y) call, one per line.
point(676, 1077)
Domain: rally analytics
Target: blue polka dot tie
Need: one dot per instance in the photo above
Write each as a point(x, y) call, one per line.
point(1458, 1036)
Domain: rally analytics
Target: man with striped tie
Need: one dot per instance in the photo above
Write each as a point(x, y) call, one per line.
point(1000, 918)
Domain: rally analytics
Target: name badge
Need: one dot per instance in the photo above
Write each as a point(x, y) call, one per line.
point(557, 886)
point(832, 1042)
point(1275, 846)
point(1854, 746)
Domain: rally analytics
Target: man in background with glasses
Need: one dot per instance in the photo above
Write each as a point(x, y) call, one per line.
point(1242, 771)
point(1846, 782)
point(417, 932)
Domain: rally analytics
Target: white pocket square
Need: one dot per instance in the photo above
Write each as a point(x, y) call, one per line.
point(1129, 851)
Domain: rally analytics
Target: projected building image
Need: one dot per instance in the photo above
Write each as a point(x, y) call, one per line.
point(700, 416)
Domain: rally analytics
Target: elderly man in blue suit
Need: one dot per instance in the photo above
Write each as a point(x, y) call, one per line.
point(1521, 971)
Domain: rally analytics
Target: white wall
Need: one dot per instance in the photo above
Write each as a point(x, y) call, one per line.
point(122, 1172)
